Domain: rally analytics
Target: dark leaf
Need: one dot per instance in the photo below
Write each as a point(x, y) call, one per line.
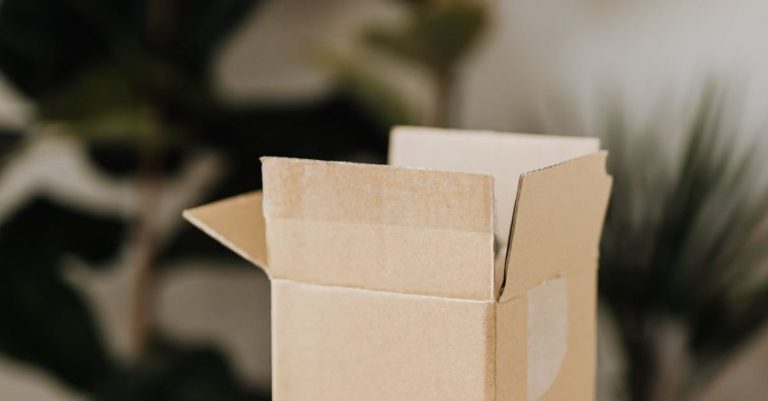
point(437, 36)
point(170, 372)
point(45, 228)
point(45, 43)
point(45, 322)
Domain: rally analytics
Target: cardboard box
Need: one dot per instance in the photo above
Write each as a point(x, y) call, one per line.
point(469, 273)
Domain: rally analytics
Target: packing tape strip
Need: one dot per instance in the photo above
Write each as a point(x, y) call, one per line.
point(547, 334)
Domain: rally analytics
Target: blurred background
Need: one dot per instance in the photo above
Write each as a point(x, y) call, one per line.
point(115, 115)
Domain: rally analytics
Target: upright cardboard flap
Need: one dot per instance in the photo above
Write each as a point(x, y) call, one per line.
point(501, 155)
point(380, 228)
point(557, 223)
point(236, 222)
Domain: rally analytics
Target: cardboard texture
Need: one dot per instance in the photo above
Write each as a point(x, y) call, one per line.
point(386, 284)
point(503, 156)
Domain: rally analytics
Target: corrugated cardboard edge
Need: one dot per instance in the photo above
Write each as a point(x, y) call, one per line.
point(237, 223)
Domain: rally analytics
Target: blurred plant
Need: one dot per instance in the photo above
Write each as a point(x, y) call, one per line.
point(683, 257)
point(135, 71)
point(437, 37)
point(131, 81)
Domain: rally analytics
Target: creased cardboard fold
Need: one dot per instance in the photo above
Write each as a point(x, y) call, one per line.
point(238, 223)
point(386, 284)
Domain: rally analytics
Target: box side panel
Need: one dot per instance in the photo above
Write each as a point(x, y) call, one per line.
point(380, 228)
point(237, 222)
point(547, 341)
point(503, 156)
point(557, 223)
point(337, 344)
point(511, 350)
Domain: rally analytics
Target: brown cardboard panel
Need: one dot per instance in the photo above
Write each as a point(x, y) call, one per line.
point(349, 344)
point(512, 350)
point(575, 380)
point(501, 155)
point(530, 364)
point(379, 227)
point(548, 333)
point(236, 222)
point(557, 223)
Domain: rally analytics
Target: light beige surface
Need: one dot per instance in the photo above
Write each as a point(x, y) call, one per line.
point(556, 232)
point(334, 343)
point(236, 222)
point(576, 379)
point(547, 334)
point(379, 227)
point(384, 289)
point(503, 156)
point(557, 223)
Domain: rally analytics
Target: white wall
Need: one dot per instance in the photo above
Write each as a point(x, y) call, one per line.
point(646, 52)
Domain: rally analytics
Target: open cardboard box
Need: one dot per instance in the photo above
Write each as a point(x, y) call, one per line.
point(469, 273)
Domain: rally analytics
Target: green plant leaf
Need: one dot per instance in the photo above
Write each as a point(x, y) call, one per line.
point(43, 320)
point(437, 36)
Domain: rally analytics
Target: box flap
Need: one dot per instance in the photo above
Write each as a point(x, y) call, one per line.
point(380, 227)
point(236, 222)
point(557, 223)
point(501, 155)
